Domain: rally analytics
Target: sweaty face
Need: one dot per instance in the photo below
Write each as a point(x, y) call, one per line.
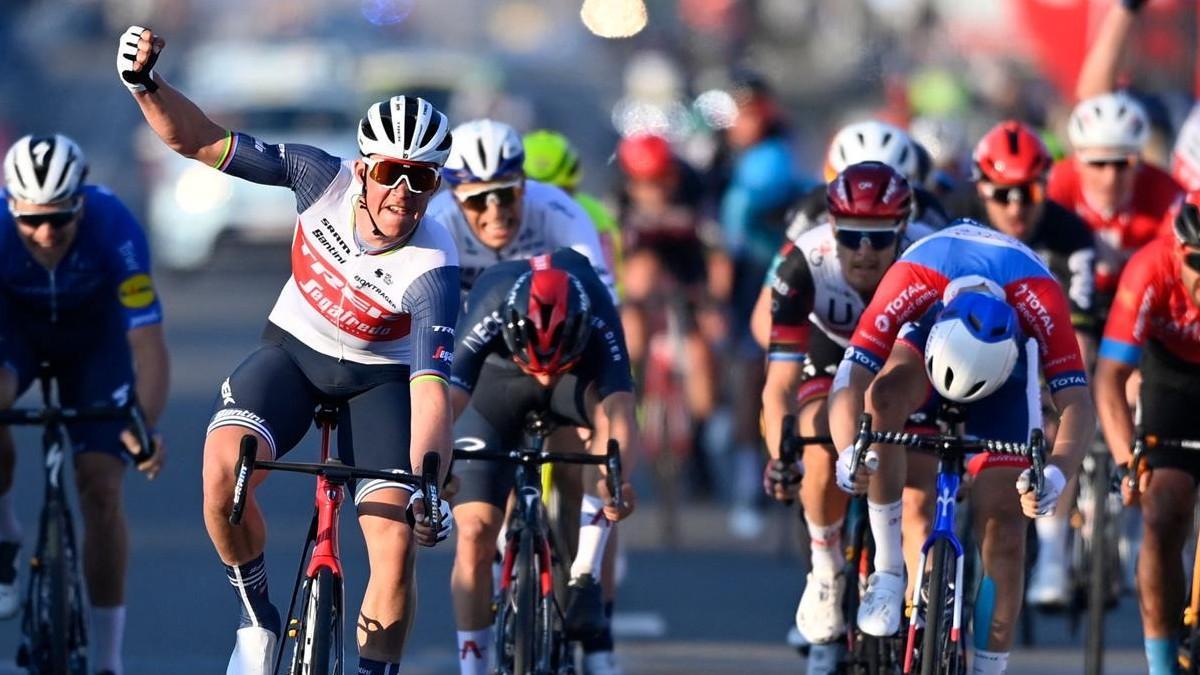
point(1013, 214)
point(47, 227)
point(395, 210)
point(493, 210)
point(864, 265)
point(1106, 178)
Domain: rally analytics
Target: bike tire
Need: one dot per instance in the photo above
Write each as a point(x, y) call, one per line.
point(525, 614)
point(56, 621)
point(317, 637)
point(1098, 570)
point(939, 656)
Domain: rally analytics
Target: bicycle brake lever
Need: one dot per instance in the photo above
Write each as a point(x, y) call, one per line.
point(432, 489)
point(245, 467)
point(613, 464)
point(142, 433)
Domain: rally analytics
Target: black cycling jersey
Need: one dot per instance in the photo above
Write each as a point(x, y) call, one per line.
point(605, 360)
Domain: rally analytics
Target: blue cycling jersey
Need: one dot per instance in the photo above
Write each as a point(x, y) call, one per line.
point(103, 282)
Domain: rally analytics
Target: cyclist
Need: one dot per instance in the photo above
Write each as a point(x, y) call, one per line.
point(74, 263)
point(973, 295)
point(537, 335)
point(496, 214)
point(551, 158)
point(825, 279)
point(365, 321)
point(1152, 327)
point(1010, 166)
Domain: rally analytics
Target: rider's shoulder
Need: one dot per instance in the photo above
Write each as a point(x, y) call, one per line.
point(552, 203)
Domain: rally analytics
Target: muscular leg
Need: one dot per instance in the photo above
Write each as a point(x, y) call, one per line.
point(823, 502)
point(1167, 507)
point(1001, 527)
point(242, 543)
point(477, 524)
point(919, 501)
point(390, 597)
point(98, 477)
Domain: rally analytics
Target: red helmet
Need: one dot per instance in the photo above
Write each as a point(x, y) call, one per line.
point(871, 190)
point(1011, 154)
point(547, 319)
point(645, 157)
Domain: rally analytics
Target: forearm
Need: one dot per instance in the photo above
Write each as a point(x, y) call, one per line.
point(617, 421)
point(1115, 418)
point(430, 423)
point(846, 405)
point(1099, 72)
point(152, 369)
point(778, 400)
point(181, 124)
point(1077, 428)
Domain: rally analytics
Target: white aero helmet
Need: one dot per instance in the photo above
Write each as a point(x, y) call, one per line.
point(484, 151)
point(872, 141)
point(972, 347)
point(44, 169)
point(405, 127)
point(1110, 121)
point(1185, 158)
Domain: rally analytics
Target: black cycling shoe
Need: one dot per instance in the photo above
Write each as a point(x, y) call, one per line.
point(585, 608)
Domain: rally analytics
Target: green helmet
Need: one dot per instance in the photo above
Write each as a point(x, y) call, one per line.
point(550, 158)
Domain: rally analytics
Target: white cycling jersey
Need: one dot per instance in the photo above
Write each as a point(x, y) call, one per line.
point(550, 220)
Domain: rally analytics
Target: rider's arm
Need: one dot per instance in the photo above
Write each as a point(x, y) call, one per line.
point(1076, 427)
point(846, 401)
point(151, 368)
point(779, 399)
point(760, 319)
point(616, 417)
point(431, 302)
point(1099, 72)
point(1115, 418)
point(790, 301)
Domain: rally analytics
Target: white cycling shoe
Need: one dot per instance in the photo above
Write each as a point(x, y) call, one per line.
point(1048, 582)
point(10, 600)
point(601, 663)
point(882, 605)
point(254, 652)
point(819, 616)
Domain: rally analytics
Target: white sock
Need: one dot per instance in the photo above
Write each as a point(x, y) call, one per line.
point(473, 646)
point(885, 527)
point(825, 541)
point(1052, 536)
point(989, 663)
point(10, 527)
point(593, 537)
point(108, 632)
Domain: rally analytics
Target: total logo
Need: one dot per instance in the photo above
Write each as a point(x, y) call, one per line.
point(882, 323)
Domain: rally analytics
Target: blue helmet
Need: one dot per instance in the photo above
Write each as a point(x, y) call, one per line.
point(485, 151)
point(972, 347)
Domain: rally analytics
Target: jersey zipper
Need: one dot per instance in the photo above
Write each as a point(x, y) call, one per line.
point(53, 296)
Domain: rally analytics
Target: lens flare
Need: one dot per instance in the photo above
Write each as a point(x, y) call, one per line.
point(614, 18)
point(386, 12)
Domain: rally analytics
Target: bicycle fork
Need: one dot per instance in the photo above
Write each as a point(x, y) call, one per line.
point(943, 529)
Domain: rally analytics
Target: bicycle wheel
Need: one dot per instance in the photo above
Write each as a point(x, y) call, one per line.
point(316, 640)
point(939, 655)
point(52, 637)
point(1098, 567)
point(525, 614)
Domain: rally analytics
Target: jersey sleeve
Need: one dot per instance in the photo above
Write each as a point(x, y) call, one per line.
point(1042, 309)
point(1125, 332)
point(131, 269)
point(431, 302)
point(304, 169)
point(607, 350)
point(791, 302)
point(573, 228)
point(905, 293)
point(478, 331)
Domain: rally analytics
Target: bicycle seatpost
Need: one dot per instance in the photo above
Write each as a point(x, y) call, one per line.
point(245, 467)
point(430, 487)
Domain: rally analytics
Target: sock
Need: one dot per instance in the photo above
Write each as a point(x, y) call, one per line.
point(885, 527)
point(1052, 537)
point(108, 632)
point(1162, 656)
point(10, 527)
point(473, 648)
point(828, 558)
point(602, 641)
point(372, 667)
point(593, 537)
point(249, 581)
point(989, 663)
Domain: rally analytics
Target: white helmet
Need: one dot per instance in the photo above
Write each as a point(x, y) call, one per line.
point(484, 151)
point(872, 141)
point(1115, 120)
point(44, 169)
point(405, 127)
point(1185, 158)
point(972, 347)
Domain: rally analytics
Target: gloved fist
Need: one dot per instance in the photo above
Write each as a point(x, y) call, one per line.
point(780, 479)
point(137, 52)
point(855, 482)
point(422, 524)
point(1043, 504)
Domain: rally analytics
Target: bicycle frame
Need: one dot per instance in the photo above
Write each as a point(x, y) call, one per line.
point(328, 504)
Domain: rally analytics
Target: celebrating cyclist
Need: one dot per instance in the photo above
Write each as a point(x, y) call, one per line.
point(75, 291)
point(365, 321)
point(986, 314)
point(1153, 327)
point(537, 336)
point(818, 291)
point(495, 213)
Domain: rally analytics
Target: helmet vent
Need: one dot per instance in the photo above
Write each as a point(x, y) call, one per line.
point(974, 389)
point(976, 324)
point(949, 378)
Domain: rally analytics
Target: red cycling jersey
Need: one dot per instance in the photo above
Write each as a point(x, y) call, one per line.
point(1152, 303)
point(1121, 233)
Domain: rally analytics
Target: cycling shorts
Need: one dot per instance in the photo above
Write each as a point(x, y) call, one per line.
point(495, 420)
point(100, 374)
point(683, 258)
point(1166, 406)
point(276, 390)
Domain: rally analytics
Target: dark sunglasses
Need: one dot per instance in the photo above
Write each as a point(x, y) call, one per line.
point(1120, 164)
point(877, 239)
point(420, 178)
point(504, 196)
point(1029, 193)
point(1192, 260)
point(57, 220)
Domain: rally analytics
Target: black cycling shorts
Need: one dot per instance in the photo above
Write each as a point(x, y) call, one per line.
point(276, 390)
point(1166, 406)
point(495, 420)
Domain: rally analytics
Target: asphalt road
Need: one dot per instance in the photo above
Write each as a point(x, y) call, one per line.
point(715, 605)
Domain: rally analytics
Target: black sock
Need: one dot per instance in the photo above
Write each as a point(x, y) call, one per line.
point(602, 642)
point(372, 667)
point(249, 581)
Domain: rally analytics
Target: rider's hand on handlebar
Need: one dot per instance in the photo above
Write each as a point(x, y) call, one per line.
point(628, 501)
point(137, 52)
point(1130, 496)
point(422, 525)
point(780, 481)
point(1045, 503)
point(856, 484)
point(152, 466)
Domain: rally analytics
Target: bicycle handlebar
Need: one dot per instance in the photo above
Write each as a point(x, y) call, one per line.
point(790, 443)
point(100, 413)
point(1143, 442)
point(952, 446)
point(611, 460)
